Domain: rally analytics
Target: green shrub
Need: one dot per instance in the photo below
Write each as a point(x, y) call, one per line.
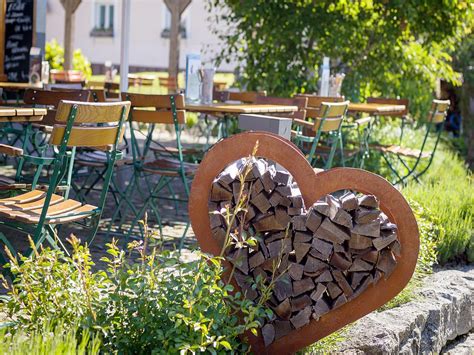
point(54, 54)
point(154, 304)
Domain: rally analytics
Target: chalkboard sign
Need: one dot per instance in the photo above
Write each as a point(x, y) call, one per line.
point(18, 39)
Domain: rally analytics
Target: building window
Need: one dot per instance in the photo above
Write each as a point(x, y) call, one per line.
point(103, 20)
point(165, 33)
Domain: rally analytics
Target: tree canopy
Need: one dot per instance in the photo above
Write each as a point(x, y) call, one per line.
point(388, 47)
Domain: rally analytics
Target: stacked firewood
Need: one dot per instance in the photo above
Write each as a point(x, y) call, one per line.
point(314, 259)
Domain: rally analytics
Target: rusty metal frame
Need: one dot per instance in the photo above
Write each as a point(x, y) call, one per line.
point(313, 186)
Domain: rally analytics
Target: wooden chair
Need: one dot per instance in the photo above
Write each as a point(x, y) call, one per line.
point(300, 102)
point(248, 97)
point(153, 110)
point(169, 83)
point(436, 117)
point(37, 212)
point(403, 115)
point(328, 119)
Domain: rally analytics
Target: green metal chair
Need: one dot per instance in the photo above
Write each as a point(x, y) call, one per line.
point(38, 213)
point(167, 164)
point(409, 158)
point(328, 119)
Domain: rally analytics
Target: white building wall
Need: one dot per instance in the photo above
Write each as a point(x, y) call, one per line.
point(147, 47)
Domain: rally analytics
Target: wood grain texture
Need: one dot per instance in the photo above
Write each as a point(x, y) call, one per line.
point(160, 117)
point(316, 101)
point(156, 101)
point(373, 108)
point(88, 112)
point(53, 98)
point(85, 136)
point(241, 108)
point(313, 186)
point(390, 101)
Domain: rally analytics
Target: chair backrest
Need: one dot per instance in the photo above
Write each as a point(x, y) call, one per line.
point(439, 109)
point(330, 115)
point(75, 127)
point(314, 103)
point(52, 99)
point(156, 109)
point(244, 96)
point(97, 95)
point(389, 101)
point(300, 102)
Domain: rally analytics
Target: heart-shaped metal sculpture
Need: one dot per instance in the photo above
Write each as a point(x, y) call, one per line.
point(313, 186)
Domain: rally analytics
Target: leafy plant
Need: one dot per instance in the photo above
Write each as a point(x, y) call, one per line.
point(54, 54)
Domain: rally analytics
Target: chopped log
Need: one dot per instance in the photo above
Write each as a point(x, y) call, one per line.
point(378, 276)
point(259, 273)
point(297, 201)
point(388, 226)
point(358, 241)
point(261, 202)
point(396, 248)
point(296, 271)
point(284, 309)
point(250, 213)
point(349, 201)
point(363, 286)
point(321, 207)
point(299, 222)
point(380, 243)
point(257, 187)
point(239, 258)
point(282, 216)
point(331, 232)
point(318, 293)
point(250, 293)
point(224, 205)
point(256, 260)
point(343, 218)
point(295, 211)
point(236, 191)
point(219, 234)
point(274, 236)
point(320, 308)
point(368, 201)
point(259, 166)
point(334, 206)
point(316, 254)
point(340, 301)
point(283, 288)
point(313, 265)
point(216, 220)
point(386, 262)
point(267, 181)
point(371, 229)
point(284, 190)
point(342, 282)
point(270, 265)
point(263, 248)
point(299, 303)
point(326, 276)
point(283, 267)
point(241, 279)
point(301, 318)
point(268, 333)
point(364, 215)
point(302, 286)
point(267, 222)
point(313, 221)
point(275, 199)
point(282, 177)
point(285, 201)
point(279, 247)
point(340, 262)
point(371, 256)
point(360, 265)
point(356, 278)
point(212, 206)
point(282, 328)
point(218, 193)
point(301, 249)
point(323, 247)
point(301, 237)
point(333, 290)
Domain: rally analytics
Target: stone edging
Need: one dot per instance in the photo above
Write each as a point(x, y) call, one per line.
point(444, 311)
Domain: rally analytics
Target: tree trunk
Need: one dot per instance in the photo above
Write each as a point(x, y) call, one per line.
point(176, 8)
point(70, 7)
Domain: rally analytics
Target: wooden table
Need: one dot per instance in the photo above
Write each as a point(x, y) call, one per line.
point(236, 109)
point(21, 114)
point(375, 109)
point(19, 86)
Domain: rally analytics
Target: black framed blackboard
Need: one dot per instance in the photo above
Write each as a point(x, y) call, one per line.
point(19, 20)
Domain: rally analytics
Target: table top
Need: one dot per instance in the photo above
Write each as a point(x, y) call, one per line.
point(375, 108)
point(21, 114)
point(19, 86)
point(240, 108)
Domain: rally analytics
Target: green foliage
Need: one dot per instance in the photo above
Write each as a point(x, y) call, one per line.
point(327, 345)
point(388, 48)
point(54, 54)
point(50, 341)
point(155, 303)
